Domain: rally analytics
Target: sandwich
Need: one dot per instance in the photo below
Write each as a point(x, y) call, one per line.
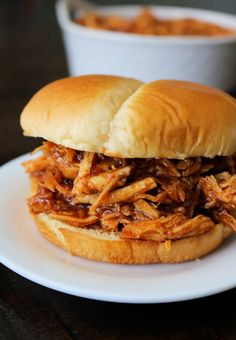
point(132, 172)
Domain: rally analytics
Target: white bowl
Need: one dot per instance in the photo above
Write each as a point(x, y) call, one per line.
point(205, 60)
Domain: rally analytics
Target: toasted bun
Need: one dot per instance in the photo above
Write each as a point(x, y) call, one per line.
point(108, 247)
point(123, 117)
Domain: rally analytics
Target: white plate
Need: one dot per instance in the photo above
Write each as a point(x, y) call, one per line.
point(26, 252)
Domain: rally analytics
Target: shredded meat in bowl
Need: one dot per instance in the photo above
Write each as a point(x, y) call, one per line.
point(148, 24)
point(147, 199)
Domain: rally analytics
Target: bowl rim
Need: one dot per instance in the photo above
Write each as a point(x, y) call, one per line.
point(67, 24)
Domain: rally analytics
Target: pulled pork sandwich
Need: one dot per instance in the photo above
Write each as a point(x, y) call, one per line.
point(133, 172)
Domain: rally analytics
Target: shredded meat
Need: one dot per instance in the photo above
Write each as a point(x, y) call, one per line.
point(167, 228)
point(225, 218)
point(147, 199)
point(146, 23)
point(221, 192)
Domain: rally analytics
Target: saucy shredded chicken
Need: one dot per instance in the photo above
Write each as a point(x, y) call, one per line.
point(146, 23)
point(146, 199)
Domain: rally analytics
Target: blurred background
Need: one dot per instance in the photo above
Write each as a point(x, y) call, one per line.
point(32, 55)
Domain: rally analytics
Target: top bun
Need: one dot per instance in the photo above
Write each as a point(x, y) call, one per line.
point(123, 117)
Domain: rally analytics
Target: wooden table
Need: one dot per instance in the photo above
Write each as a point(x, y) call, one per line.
point(31, 56)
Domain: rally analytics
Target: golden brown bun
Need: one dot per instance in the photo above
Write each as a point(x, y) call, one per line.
point(76, 112)
point(123, 117)
point(108, 247)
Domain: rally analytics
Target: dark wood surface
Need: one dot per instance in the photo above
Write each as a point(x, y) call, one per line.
point(31, 56)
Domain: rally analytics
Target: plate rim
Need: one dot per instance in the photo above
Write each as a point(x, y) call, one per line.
point(97, 295)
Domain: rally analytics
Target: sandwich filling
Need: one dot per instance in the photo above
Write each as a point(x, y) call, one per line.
point(147, 199)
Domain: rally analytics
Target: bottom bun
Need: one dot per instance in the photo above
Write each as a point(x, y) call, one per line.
point(108, 247)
